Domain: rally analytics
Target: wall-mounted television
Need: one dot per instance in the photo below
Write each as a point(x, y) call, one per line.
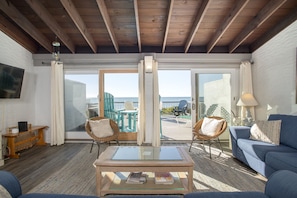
point(11, 80)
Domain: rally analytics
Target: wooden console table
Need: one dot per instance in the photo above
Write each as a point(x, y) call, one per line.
point(24, 140)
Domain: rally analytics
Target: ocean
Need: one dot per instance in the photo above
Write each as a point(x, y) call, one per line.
point(163, 99)
point(166, 101)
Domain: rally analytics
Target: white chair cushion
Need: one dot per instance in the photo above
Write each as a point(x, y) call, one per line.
point(101, 128)
point(266, 131)
point(211, 126)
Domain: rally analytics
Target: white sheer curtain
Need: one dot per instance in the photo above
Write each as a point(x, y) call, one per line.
point(246, 84)
point(141, 106)
point(156, 106)
point(57, 103)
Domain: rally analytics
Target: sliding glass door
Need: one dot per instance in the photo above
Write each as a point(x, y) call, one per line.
point(119, 100)
point(212, 91)
point(81, 103)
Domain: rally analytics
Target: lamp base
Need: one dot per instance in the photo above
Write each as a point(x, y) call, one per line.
point(248, 121)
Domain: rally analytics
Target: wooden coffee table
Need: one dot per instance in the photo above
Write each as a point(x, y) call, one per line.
point(116, 162)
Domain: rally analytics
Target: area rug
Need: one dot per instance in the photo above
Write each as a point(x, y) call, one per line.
point(221, 173)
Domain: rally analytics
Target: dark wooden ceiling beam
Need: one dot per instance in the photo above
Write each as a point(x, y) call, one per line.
point(200, 14)
point(167, 25)
point(137, 25)
point(226, 23)
point(261, 17)
point(76, 18)
point(16, 34)
point(15, 15)
point(275, 30)
point(108, 24)
point(48, 19)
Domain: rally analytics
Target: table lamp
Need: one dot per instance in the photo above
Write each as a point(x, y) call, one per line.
point(247, 100)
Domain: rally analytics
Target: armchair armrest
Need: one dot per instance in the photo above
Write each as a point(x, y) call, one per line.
point(10, 183)
point(240, 132)
point(282, 184)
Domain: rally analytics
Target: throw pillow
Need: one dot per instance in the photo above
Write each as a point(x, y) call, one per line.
point(266, 131)
point(4, 193)
point(211, 126)
point(101, 128)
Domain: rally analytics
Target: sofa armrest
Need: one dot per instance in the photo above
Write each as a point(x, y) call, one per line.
point(282, 184)
point(240, 132)
point(10, 183)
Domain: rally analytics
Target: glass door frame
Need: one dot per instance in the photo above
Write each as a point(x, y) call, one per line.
point(123, 136)
point(234, 83)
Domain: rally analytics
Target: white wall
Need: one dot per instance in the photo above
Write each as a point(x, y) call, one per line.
point(274, 74)
point(43, 98)
point(23, 109)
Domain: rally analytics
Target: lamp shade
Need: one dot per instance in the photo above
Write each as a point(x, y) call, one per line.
point(247, 100)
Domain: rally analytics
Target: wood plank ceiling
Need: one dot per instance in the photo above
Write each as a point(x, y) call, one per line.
point(136, 26)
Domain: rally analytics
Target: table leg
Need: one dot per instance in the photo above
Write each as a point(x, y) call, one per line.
point(119, 120)
point(11, 146)
point(190, 179)
point(134, 122)
point(130, 121)
point(98, 181)
point(123, 121)
point(40, 137)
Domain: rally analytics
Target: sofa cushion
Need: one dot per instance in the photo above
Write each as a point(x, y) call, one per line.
point(281, 184)
point(258, 149)
point(288, 134)
point(266, 131)
point(225, 195)
point(282, 161)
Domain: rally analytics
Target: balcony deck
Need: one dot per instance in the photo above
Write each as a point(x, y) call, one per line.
point(175, 128)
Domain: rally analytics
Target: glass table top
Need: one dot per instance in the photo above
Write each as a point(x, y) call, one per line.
point(146, 153)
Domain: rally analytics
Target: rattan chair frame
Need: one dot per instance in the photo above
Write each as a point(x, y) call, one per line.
point(197, 136)
point(100, 140)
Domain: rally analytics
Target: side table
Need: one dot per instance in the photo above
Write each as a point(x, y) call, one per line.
point(24, 140)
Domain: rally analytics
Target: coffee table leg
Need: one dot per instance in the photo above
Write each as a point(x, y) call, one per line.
point(98, 181)
point(190, 179)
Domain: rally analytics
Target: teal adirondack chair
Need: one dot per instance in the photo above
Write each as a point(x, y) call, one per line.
point(109, 111)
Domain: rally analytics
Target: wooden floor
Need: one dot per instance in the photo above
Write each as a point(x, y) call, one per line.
point(68, 169)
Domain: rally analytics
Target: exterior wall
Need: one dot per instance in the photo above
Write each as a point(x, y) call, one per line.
point(274, 74)
point(43, 98)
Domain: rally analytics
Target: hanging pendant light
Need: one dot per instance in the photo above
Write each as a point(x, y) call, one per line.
point(56, 49)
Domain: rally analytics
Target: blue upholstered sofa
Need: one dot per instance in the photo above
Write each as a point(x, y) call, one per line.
point(266, 158)
point(281, 184)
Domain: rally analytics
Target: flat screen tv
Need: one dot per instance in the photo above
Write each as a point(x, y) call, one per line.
point(11, 80)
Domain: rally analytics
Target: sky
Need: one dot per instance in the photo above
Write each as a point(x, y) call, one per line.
point(175, 83)
point(171, 84)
